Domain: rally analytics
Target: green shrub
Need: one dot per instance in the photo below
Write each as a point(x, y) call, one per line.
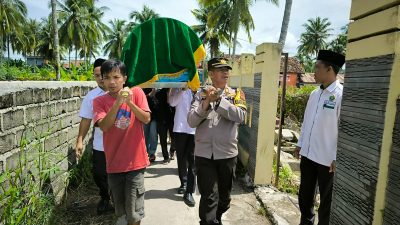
point(82, 172)
point(23, 72)
point(296, 101)
point(25, 191)
point(285, 183)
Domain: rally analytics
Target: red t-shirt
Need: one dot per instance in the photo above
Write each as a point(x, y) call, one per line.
point(124, 143)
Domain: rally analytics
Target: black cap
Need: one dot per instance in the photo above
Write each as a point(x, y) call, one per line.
point(331, 57)
point(218, 63)
point(98, 62)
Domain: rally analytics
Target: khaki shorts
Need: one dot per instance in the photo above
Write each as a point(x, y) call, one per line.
point(128, 194)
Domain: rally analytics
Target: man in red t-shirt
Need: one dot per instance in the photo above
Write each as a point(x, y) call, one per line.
point(120, 114)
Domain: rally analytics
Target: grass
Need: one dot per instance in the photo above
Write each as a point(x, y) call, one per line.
point(285, 183)
point(80, 204)
point(261, 211)
point(26, 194)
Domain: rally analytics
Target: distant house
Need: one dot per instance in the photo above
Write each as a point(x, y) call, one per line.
point(76, 63)
point(294, 72)
point(35, 61)
point(309, 79)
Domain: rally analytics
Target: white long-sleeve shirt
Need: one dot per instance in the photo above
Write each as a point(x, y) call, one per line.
point(181, 100)
point(319, 132)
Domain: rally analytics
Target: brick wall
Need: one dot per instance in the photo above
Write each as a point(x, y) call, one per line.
point(43, 115)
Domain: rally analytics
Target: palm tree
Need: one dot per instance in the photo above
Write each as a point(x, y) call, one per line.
point(55, 37)
point(12, 16)
point(116, 38)
point(306, 61)
point(95, 28)
point(140, 17)
point(315, 37)
point(211, 36)
point(32, 37)
point(81, 24)
point(339, 43)
point(28, 41)
point(240, 15)
point(285, 22)
point(45, 37)
point(72, 29)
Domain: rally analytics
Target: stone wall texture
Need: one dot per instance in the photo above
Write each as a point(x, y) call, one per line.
point(41, 116)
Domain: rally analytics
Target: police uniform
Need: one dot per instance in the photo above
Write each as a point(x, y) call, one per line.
point(318, 143)
point(216, 148)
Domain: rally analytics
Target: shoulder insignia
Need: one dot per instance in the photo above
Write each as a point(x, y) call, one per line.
point(240, 99)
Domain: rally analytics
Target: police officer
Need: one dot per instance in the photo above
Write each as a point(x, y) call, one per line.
point(216, 113)
point(317, 144)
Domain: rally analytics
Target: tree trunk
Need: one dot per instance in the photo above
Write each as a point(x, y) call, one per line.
point(230, 43)
point(285, 22)
point(234, 44)
point(56, 41)
point(69, 56)
point(8, 47)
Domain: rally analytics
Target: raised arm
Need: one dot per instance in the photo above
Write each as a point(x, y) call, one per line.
point(108, 120)
point(137, 102)
point(199, 111)
point(175, 95)
point(231, 112)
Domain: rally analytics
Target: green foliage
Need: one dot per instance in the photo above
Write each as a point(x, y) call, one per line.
point(116, 37)
point(82, 172)
point(296, 101)
point(286, 183)
point(306, 61)
point(317, 31)
point(339, 43)
point(262, 211)
point(315, 37)
point(23, 72)
point(25, 191)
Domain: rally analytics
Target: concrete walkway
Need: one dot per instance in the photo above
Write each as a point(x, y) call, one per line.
point(163, 204)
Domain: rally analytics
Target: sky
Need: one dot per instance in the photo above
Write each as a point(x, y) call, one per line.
point(267, 17)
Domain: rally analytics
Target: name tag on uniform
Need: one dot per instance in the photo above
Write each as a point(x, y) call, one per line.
point(329, 104)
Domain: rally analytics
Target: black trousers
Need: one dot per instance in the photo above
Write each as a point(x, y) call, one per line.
point(162, 130)
point(172, 149)
point(100, 174)
point(311, 173)
point(184, 144)
point(215, 178)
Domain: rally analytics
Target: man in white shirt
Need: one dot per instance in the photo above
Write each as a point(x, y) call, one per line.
point(181, 99)
point(99, 160)
point(317, 144)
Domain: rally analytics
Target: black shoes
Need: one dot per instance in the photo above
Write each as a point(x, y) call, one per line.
point(152, 158)
point(188, 199)
point(166, 161)
point(182, 189)
point(104, 206)
point(172, 155)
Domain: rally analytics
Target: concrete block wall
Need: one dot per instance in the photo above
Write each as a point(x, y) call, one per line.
point(258, 77)
point(42, 114)
point(367, 157)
